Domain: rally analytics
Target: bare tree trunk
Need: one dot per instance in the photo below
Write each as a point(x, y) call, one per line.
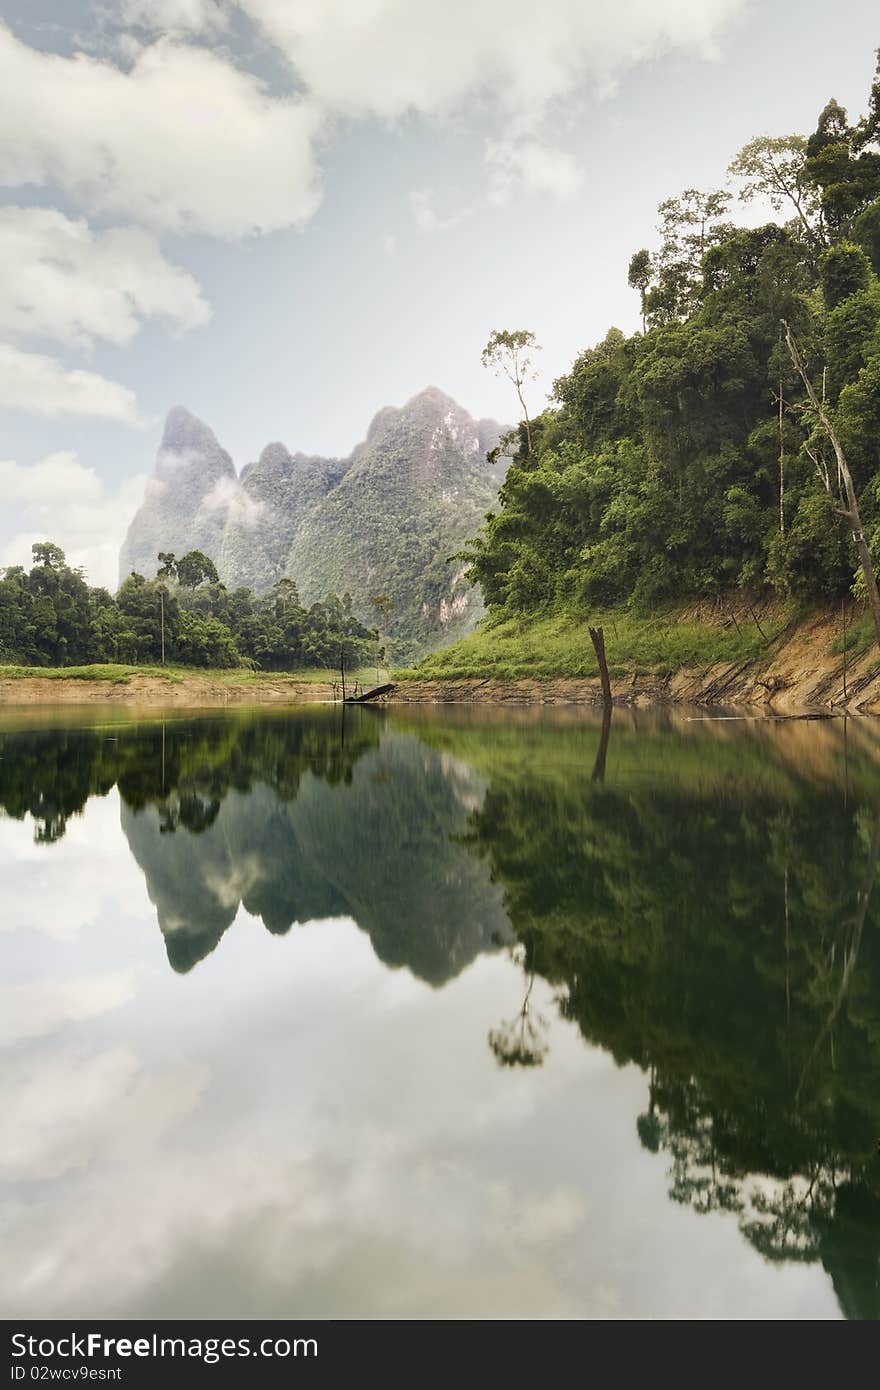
point(526, 418)
point(852, 513)
point(342, 670)
point(597, 637)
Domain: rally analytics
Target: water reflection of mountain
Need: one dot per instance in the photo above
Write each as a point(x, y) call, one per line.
point(298, 818)
point(379, 847)
point(710, 912)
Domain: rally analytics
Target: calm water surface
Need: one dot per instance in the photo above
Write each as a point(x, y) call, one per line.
point(439, 1013)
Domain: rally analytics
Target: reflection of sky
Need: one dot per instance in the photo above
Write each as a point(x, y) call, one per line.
point(292, 1129)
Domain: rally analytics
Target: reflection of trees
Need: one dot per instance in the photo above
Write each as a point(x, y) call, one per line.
point(185, 767)
point(725, 939)
point(520, 1041)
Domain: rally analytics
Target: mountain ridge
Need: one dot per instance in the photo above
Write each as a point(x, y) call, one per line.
point(380, 522)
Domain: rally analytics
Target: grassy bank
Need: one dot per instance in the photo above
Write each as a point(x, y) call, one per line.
point(559, 645)
point(178, 675)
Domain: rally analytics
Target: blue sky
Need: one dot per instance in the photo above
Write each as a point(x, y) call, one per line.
point(286, 214)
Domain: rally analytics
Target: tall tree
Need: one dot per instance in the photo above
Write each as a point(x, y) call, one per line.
point(641, 270)
point(510, 354)
point(850, 511)
point(774, 168)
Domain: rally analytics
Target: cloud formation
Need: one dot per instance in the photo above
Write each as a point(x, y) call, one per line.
point(63, 281)
point(43, 386)
point(59, 498)
point(183, 141)
point(390, 57)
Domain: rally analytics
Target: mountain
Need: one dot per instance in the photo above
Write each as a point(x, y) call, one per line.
point(187, 500)
point(382, 521)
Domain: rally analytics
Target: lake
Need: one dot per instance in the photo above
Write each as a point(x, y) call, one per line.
point(439, 1013)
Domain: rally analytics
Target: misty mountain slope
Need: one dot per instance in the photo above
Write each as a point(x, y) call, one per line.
point(275, 495)
point(417, 489)
point(383, 521)
point(187, 499)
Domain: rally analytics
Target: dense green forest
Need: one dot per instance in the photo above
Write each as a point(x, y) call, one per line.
point(52, 617)
point(688, 459)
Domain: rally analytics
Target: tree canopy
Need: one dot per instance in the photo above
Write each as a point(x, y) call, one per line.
point(687, 458)
point(52, 617)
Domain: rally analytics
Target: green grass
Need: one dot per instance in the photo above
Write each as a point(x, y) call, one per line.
point(116, 675)
point(560, 646)
point(176, 675)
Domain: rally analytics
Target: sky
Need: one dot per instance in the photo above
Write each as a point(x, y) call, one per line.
point(287, 214)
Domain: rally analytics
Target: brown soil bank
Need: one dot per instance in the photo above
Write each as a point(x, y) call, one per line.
point(799, 674)
point(195, 692)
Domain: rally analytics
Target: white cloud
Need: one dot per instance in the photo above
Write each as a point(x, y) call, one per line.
point(42, 385)
point(61, 280)
point(59, 498)
point(388, 57)
point(532, 165)
point(183, 141)
point(511, 60)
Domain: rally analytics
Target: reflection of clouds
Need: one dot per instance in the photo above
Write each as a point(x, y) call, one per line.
point(62, 1112)
point(42, 1006)
point(231, 882)
point(314, 1176)
point(59, 889)
point(357, 1153)
point(241, 1232)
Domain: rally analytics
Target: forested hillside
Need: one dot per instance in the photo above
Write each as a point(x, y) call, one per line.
point(688, 460)
point(378, 525)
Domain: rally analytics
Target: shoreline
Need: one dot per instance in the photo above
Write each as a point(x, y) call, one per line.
point(798, 673)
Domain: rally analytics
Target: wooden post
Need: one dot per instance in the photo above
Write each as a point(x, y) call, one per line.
point(162, 619)
point(342, 669)
point(597, 637)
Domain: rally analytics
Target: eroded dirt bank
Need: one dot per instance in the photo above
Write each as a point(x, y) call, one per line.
point(799, 673)
point(190, 693)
